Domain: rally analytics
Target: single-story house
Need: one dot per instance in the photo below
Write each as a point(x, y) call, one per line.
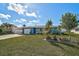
point(28, 30)
point(34, 30)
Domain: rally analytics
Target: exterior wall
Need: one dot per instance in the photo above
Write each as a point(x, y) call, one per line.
point(33, 31)
point(27, 31)
point(74, 31)
point(16, 31)
point(39, 31)
point(20, 31)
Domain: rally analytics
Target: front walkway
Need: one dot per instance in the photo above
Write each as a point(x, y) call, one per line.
point(9, 36)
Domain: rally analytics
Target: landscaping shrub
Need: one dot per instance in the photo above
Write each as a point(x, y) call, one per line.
point(0, 31)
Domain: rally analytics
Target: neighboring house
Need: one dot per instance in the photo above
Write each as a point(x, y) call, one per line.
point(75, 30)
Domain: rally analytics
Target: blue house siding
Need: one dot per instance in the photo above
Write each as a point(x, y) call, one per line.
point(36, 30)
point(33, 31)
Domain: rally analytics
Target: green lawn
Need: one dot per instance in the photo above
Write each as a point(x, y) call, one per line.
point(36, 46)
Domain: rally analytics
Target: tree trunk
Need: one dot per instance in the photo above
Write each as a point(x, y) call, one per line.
point(69, 34)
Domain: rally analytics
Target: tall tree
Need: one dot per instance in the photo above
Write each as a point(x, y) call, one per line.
point(48, 26)
point(7, 26)
point(69, 21)
point(59, 27)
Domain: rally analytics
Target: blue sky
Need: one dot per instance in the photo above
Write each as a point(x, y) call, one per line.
point(35, 14)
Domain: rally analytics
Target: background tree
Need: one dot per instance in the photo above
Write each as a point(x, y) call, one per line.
point(78, 22)
point(48, 26)
point(69, 21)
point(59, 27)
point(7, 27)
point(0, 31)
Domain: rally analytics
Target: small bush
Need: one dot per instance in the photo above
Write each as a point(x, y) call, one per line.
point(0, 31)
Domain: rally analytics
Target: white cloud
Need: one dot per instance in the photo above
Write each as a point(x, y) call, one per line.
point(31, 14)
point(26, 6)
point(24, 20)
point(22, 9)
point(20, 20)
point(19, 25)
point(17, 8)
point(27, 22)
point(4, 16)
point(34, 21)
point(17, 20)
point(39, 16)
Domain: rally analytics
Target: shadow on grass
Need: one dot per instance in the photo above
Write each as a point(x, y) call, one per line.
point(64, 43)
point(71, 45)
point(56, 44)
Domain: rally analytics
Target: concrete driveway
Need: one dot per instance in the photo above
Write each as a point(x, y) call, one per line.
point(9, 36)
